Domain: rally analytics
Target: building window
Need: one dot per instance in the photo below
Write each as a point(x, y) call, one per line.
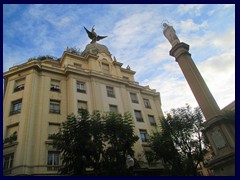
point(55, 85)
point(54, 106)
point(16, 107)
point(113, 108)
point(105, 68)
point(134, 97)
point(81, 87)
point(147, 103)
point(78, 66)
point(19, 85)
point(143, 135)
point(53, 161)
point(53, 128)
point(8, 161)
point(138, 116)
point(110, 91)
point(82, 105)
point(152, 120)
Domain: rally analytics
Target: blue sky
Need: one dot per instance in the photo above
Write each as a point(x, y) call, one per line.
point(135, 38)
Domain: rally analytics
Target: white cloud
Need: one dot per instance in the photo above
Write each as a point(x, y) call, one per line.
point(209, 43)
point(190, 8)
point(219, 74)
point(130, 31)
point(189, 26)
point(225, 41)
point(174, 92)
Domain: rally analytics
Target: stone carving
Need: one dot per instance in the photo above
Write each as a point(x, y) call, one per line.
point(218, 139)
point(170, 34)
point(93, 36)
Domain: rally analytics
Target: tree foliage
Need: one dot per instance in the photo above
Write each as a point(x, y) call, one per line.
point(181, 143)
point(74, 50)
point(119, 135)
point(74, 141)
point(96, 141)
point(43, 57)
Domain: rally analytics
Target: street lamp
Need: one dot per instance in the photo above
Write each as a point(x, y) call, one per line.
point(129, 162)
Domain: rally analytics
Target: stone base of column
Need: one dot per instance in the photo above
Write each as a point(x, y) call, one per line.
point(223, 166)
point(221, 135)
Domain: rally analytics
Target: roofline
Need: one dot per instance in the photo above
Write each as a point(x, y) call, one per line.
point(230, 106)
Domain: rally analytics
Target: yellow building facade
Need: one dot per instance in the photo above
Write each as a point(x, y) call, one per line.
point(39, 94)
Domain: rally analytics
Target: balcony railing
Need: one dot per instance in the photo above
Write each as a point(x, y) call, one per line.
point(81, 90)
point(15, 112)
point(53, 167)
point(147, 106)
point(110, 94)
point(153, 124)
point(55, 111)
point(19, 88)
point(139, 119)
point(55, 88)
point(134, 101)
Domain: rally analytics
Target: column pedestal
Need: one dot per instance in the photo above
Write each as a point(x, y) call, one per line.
point(221, 135)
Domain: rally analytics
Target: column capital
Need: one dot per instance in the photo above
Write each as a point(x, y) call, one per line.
point(179, 49)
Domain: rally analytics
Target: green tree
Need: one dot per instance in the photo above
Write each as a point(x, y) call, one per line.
point(181, 142)
point(101, 142)
point(163, 147)
point(97, 146)
point(119, 137)
point(74, 142)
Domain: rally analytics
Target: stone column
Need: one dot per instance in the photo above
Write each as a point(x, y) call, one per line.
point(198, 86)
point(218, 131)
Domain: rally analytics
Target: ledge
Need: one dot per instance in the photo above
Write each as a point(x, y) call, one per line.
point(7, 145)
point(220, 160)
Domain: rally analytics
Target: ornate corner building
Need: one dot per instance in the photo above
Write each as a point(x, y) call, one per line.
point(39, 94)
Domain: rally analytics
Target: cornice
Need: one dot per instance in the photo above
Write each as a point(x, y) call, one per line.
point(128, 71)
point(65, 53)
point(84, 72)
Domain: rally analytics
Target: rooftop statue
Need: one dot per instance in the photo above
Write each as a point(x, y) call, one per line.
point(93, 36)
point(170, 34)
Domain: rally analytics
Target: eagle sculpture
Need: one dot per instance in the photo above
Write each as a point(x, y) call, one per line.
point(93, 36)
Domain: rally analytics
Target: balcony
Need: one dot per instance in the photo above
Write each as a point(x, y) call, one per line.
point(153, 124)
point(19, 88)
point(139, 119)
point(54, 111)
point(55, 88)
point(81, 90)
point(110, 94)
point(53, 167)
point(15, 112)
point(134, 101)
